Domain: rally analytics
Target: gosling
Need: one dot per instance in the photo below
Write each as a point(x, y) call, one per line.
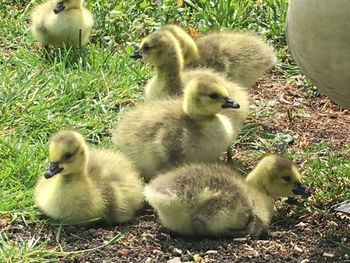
point(211, 199)
point(83, 183)
point(61, 22)
point(162, 50)
point(241, 57)
point(166, 133)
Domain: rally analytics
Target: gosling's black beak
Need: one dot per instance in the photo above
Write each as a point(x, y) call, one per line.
point(136, 54)
point(300, 189)
point(230, 104)
point(58, 8)
point(52, 170)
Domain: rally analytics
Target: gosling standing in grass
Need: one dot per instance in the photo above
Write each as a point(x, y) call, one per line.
point(161, 134)
point(211, 199)
point(84, 183)
point(241, 57)
point(162, 50)
point(61, 22)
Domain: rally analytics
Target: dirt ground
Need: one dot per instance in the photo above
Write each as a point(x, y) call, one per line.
point(318, 236)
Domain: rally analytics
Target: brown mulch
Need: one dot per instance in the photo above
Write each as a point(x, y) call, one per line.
point(308, 119)
point(297, 234)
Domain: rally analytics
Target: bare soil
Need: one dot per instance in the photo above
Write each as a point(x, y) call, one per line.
point(308, 119)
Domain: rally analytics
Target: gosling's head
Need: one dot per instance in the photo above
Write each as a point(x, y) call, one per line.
point(278, 176)
point(62, 5)
point(68, 153)
point(187, 43)
point(206, 97)
point(159, 48)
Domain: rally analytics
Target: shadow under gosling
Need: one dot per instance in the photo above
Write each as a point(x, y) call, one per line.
point(241, 57)
point(211, 199)
point(83, 183)
point(61, 22)
point(161, 134)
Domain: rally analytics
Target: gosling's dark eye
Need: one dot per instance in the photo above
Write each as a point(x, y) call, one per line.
point(146, 47)
point(214, 96)
point(67, 156)
point(286, 178)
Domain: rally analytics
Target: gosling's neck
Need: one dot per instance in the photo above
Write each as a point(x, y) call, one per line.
point(192, 55)
point(194, 114)
point(170, 74)
point(80, 174)
point(254, 179)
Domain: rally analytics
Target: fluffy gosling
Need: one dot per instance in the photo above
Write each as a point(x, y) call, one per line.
point(211, 199)
point(61, 22)
point(83, 183)
point(161, 134)
point(241, 57)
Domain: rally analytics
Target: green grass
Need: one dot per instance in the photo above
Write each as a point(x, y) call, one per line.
point(87, 88)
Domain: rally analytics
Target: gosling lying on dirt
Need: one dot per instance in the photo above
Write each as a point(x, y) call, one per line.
point(211, 199)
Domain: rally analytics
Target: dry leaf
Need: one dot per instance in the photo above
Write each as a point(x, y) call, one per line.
point(193, 32)
point(123, 253)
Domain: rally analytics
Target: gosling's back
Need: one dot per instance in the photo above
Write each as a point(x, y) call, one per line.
point(241, 56)
point(119, 182)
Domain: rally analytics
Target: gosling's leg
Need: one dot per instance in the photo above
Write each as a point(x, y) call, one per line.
point(80, 38)
point(256, 227)
point(229, 155)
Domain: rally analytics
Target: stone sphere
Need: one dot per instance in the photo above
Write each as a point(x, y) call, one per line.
point(318, 35)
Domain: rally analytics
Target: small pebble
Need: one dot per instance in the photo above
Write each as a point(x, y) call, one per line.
point(301, 224)
point(328, 255)
point(299, 249)
point(156, 251)
point(175, 260)
point(176, 251)
point(240, 239)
